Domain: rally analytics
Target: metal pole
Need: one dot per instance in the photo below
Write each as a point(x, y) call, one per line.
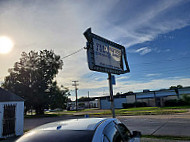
point(111, 95)
point(75, 84)
point(88, 100)
point(155, 99)
point(76, 98)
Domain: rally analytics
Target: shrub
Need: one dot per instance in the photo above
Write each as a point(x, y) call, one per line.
point(175, 102)
point(137, 104)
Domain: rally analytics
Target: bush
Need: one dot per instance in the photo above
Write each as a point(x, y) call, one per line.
point(137, 104)
point(173, 103)
point(186, 98)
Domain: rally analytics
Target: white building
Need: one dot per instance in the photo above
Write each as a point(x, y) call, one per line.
point(11, 114)
point(104, 102)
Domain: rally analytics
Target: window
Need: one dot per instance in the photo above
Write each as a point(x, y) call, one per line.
point(125, 133)
point(111, 134)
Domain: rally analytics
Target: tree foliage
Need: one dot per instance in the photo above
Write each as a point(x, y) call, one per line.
point(32, 78)
point(84, 99)
point(176, 87)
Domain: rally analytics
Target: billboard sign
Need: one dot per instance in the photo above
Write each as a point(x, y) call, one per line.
point(104, 55)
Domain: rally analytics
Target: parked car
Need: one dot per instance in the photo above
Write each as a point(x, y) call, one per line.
point(82, 130)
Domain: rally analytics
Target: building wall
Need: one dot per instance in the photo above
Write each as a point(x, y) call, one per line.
point(1, 118)
point(149, 101)
point(106, 104)
point(130, 98)
point(19, 122)
point(19, 118)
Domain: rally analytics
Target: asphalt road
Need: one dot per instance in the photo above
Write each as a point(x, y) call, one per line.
point(172, 125)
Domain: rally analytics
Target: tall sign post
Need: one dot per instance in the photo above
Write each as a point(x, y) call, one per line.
point(106, 56)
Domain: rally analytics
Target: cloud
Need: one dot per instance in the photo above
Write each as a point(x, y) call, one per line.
point(152, 85)
point(59, 25)
point(143, 50)
point(153, 74)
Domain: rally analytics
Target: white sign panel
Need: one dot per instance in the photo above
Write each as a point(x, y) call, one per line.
point(106, 55)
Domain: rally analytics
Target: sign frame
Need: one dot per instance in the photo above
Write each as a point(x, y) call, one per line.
point(91, 54)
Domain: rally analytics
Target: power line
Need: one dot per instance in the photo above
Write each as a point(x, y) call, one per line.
point(73, 53)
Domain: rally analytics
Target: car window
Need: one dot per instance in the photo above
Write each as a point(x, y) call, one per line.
point(111, 134)
point(125, 133)
point(105, 138)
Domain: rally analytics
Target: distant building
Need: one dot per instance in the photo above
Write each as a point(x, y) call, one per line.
point(151, 98)
point(11, 114)
point(104, 101)
point(83, 104)
point(158, 97)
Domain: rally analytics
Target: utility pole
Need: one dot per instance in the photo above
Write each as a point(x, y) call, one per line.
point(75, 84)
point(88, 100)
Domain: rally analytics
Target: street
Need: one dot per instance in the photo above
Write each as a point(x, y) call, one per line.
point(172, 125)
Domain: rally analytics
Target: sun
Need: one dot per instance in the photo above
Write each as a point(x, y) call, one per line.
point(6, 44)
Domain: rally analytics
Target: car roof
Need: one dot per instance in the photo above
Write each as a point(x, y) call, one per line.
point(73, 124)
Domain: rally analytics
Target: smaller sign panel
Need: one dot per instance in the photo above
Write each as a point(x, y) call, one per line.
point(104, 55)
point(113, 80)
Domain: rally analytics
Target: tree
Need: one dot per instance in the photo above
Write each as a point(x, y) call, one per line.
point(58, 95)
point(176, 87)
point(84, 99)
point(32, 76)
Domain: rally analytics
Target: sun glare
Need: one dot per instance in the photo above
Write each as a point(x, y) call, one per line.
point(6, 44)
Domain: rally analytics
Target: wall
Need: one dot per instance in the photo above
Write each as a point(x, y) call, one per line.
point(19, 122)
point(130, 98)
point(1, 118)
point(19, 118)
point(106, 104)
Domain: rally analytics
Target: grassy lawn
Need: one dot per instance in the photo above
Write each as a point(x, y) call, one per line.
point(143, 111)
point(129, 111)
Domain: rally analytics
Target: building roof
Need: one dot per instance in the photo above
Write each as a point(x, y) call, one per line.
point(6, 96)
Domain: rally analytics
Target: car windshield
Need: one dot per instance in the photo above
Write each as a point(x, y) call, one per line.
point(58, 136)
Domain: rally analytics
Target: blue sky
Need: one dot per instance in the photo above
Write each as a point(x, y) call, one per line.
point(155, 34)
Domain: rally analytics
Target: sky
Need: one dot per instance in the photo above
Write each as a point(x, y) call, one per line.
point(156, 35)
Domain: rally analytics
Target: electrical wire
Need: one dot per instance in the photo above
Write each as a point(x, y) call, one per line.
point(73, 53)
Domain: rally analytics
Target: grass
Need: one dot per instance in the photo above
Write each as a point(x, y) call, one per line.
point(145, 111)
point(121, 112)
point(183, 138)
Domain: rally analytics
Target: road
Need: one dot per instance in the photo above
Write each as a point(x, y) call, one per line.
point(172, 125)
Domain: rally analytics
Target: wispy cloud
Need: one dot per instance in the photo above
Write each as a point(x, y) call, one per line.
point(153, 74)
point(59, 25)
point(152, 85)
point(143, 50)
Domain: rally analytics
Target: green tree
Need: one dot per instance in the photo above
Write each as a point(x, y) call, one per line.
point(32, 76)
point(58, 96)
point(83, 99)
point(176, 87)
